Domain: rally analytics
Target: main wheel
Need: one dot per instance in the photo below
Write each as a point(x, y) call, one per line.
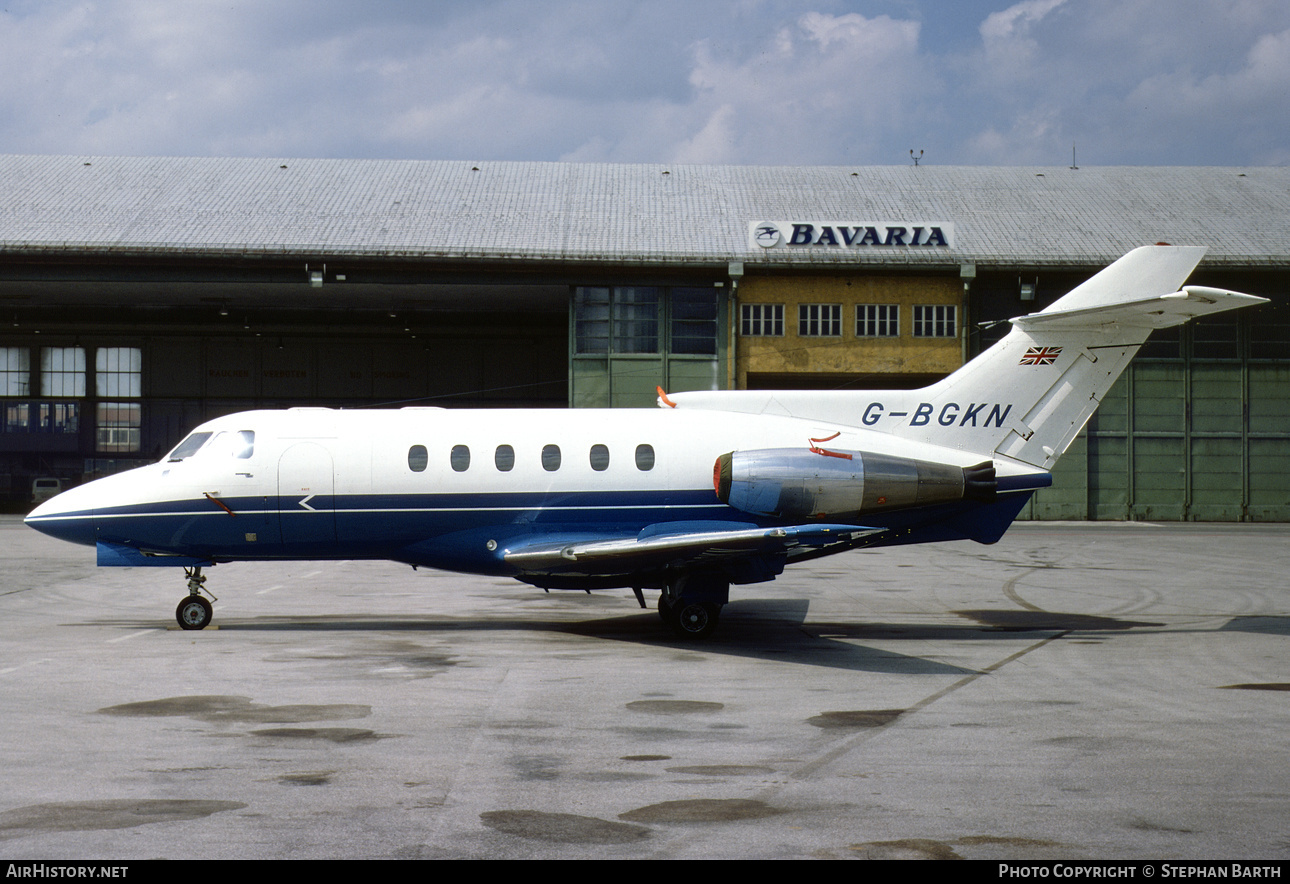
point(664, 609)
point(194, 612)
point(694, 620)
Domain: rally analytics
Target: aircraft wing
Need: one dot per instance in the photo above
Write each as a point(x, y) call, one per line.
point(675, 544)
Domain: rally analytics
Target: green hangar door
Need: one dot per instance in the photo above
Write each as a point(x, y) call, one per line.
point(1197, 429)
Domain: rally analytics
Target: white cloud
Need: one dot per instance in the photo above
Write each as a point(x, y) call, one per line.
point(813, 93)
point(751, 81)
point(1016, 20)
point(1129, 81)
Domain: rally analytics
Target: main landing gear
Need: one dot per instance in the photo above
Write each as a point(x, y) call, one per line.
point(194, 612)
point(691, 604)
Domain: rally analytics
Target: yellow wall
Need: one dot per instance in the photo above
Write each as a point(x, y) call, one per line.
point(848, 354)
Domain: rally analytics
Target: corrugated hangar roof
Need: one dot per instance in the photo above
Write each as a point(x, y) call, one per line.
point(619, 213)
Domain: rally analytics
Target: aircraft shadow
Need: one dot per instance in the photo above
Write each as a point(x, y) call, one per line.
point(775, 630)
point(1262, 624)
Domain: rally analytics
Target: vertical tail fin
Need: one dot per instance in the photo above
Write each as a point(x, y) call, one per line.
point(1054, 367)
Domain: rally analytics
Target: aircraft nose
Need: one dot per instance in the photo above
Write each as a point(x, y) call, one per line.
point(68, 516)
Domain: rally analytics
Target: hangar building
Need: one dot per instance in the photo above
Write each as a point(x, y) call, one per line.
point(140, 296)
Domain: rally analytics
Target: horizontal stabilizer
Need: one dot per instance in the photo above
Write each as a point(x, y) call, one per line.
point(1159, 311)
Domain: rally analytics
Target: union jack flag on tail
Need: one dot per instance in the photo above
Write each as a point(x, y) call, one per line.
point(1040, 355)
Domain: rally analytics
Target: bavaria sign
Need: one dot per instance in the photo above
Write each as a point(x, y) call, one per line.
point(835, 235)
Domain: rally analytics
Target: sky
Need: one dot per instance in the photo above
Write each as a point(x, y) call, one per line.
point(807, 82)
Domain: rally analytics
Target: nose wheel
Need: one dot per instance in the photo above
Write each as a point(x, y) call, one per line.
point(194, 612)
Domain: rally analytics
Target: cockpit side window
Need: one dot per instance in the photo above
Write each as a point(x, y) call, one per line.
point(188, 447)
point(243, 444)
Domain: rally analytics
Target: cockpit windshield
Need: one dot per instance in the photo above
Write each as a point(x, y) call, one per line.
point(239, 444)
point(188, 447)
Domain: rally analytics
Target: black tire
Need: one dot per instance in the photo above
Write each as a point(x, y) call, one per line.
point(664, 609)
point(194, 612)
point(694, 620)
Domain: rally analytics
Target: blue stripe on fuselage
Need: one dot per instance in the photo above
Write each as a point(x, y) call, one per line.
point(436, 529)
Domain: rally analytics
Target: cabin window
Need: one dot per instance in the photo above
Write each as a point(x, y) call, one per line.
point(600, 458)
point(644, 457)
point(188, 447)
point(550, 458)
point(504, 457)
point(418, 458)
point(460, 458)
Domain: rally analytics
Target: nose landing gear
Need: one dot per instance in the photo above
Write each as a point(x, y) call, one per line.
point(194, 612)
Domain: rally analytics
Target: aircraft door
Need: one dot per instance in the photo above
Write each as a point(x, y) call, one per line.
point(306, 498)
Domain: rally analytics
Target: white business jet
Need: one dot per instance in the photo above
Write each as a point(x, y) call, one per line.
point(711, 489)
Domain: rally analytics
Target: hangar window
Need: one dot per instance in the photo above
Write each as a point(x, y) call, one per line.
point(591, 318)
point(935, 321)
point(877, 320)
point(761, 320)
point(460, 458)
point(1215, 338)
point(118, 372)
point(819, 320)
point(15, 371)
point(118, 426)
point(418, 458)
point(694, 321)
point(504, 457)
point(62, 371)
point(622, 319)
point(644, 457)
point(58, 417)
point(599, 458)
point(17, 417)
point(550, 458)
point(635, 323)
point(1269, 330)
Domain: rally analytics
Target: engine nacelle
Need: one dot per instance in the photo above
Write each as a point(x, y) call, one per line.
point(794, 483)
